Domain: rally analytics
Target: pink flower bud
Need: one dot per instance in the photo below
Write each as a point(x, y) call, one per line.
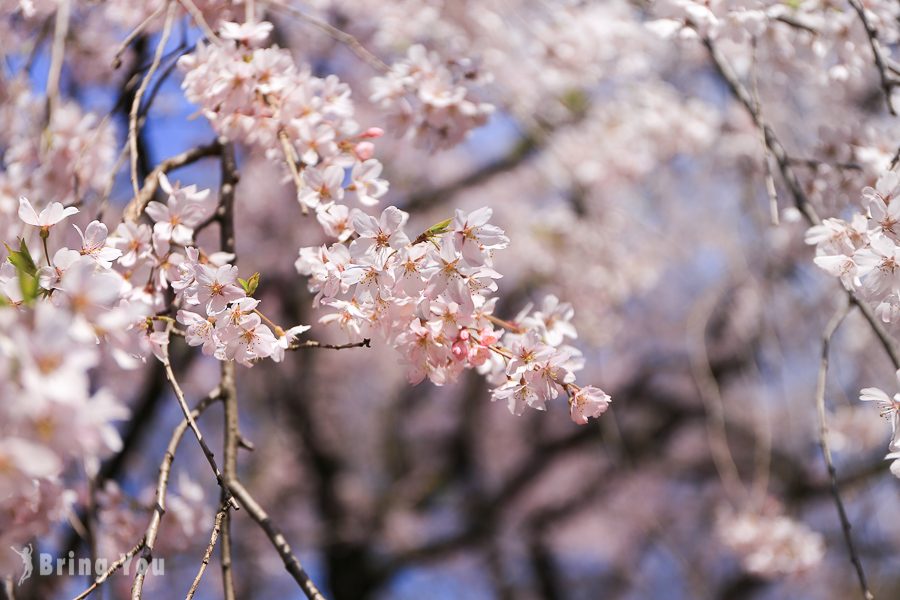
point(371, 133)
point(364, 150)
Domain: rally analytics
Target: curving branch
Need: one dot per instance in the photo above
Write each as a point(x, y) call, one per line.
point(139, 203)
point(832, 326)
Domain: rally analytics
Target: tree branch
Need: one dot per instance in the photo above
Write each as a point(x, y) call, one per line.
point(291, 562)
point(832, 326)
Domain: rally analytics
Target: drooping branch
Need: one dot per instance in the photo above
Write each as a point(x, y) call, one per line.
point(291, 562)
point(163, 481)
point(887, 82)
point(136, 103)
point(214, 536)
point(832, 326)
point(801, 200)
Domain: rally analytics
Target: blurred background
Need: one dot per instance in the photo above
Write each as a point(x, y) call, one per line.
point(632, 185)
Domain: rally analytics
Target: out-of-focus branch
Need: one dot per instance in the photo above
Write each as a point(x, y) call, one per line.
point(123, 46)
point(832, 326)
point(291, 562)
point(57, 54)
point(337, 34)
point(710, 394)
point(136, 103)
point(524, 149)
point(801, 200)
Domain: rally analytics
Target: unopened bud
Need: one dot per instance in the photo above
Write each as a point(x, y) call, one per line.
point(364, 150)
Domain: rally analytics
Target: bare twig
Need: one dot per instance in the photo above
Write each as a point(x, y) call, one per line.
point(189, 418)
point(117, 58)
point(767, 157)
point(135, 105)
point(111, 570)
point(291, 562)
point(197, 15)
point(366, 343)
point(815, 163)
point(217, 526)
point(163, 480)
point(341, 36)
point(57, 54)
point(887, 83)
point(832, 326)
point(711, 395)
point(290, 157)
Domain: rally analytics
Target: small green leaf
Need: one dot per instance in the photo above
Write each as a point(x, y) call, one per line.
point(250, 285)
point(21, 258)
point(439, 228)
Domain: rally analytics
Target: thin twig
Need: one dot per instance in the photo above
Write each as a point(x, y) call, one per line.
point(135, 105)
point(801, 200)
point(366, 343)
point(290, 157)
point(165, 468)
point(189, 417)
point(117, 58)
point(832, 326)
point(341, 36)
point(57, 55)
point(214, 536)
point(111, 570)
point(887, 83)
point(711, 395)
point(291, 562)
point(197, 15)
point(767, 162)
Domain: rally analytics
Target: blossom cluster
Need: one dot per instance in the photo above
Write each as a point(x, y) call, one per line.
point(49, 326)
point(258, 95)
point(68, 158)
point(216, 307)
point(431, 99)
point(430, 297)
point(770, 545)
point(864, 253)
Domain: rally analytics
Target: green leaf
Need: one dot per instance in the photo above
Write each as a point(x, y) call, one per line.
point(439, 228)
point(21, 258)
point(250, 285)
point(29, 286)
